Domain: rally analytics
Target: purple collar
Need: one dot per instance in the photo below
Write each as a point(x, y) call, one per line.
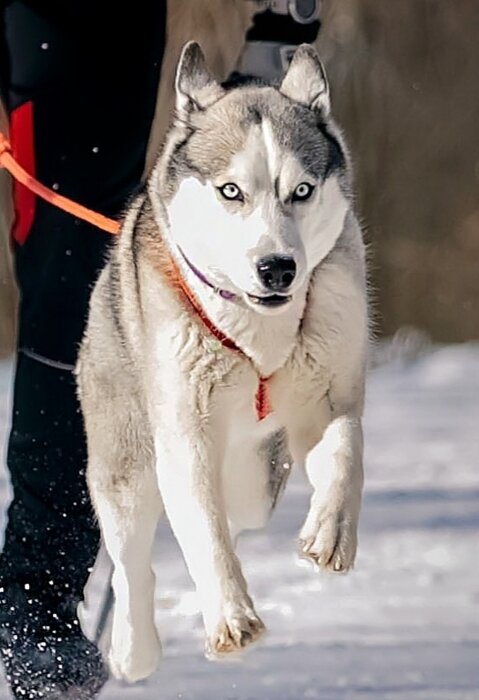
point(223, 293)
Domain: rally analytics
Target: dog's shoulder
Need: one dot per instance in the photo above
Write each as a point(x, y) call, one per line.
point(334, 333)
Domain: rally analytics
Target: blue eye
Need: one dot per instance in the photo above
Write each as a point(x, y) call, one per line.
point(231, 191)
point(303, 192)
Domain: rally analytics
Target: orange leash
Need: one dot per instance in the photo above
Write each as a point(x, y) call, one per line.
point(8, 162)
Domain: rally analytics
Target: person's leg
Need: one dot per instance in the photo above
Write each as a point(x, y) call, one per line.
point(50, 541)
point(81, 91)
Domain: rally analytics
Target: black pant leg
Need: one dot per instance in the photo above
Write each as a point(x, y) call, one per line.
point(51, 538)
point(88, 74)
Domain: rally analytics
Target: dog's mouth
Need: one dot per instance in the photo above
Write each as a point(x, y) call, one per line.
point(268, 301)
point(271, 301)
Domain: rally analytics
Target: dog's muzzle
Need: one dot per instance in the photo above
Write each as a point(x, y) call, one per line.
point(276, 274)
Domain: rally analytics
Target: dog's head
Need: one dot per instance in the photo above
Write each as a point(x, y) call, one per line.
point(254, 178)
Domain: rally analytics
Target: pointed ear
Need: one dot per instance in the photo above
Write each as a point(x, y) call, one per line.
point(305, 80)
point(196, 88)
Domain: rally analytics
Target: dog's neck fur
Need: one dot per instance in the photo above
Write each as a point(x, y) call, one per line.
point(267, 340)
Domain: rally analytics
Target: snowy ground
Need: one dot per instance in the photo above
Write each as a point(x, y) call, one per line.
point(405, 624)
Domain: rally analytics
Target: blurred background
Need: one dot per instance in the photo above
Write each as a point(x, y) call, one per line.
point(404, 77)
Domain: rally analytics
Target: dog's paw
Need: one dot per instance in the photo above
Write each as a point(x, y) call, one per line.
point(239, 626)
point(134, 662)
point(329, 540)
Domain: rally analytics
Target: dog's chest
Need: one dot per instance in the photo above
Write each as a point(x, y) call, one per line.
point(256, 464)
point(258, 454)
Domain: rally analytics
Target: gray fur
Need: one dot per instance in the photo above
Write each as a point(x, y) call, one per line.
point(169, 412)
point(278, 458)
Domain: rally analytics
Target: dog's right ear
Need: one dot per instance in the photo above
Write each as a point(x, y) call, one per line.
point(196, 88)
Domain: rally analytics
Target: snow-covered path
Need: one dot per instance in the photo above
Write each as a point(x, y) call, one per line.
point(405, 624)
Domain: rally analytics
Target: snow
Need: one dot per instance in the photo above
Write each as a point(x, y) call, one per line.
point(405, 624)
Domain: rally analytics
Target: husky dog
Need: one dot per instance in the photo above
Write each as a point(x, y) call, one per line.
point(238, 280)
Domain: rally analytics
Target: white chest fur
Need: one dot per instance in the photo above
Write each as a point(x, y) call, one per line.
point(257, 455)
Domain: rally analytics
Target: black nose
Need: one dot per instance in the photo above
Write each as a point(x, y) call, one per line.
point(276, 272)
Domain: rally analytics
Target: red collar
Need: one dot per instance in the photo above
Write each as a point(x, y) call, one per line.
point(262, 400)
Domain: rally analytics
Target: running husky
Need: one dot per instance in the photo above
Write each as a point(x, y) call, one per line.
point(237, 285)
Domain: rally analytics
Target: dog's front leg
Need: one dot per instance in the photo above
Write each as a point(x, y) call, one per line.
point(188, 477)
point(329, 535)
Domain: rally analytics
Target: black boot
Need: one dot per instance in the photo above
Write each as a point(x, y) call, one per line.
point(44, 652)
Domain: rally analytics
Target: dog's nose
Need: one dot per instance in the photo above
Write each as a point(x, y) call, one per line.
point(276, 272)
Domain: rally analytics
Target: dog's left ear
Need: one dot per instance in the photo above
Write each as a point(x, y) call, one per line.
point(196, 88)
point(305, 80)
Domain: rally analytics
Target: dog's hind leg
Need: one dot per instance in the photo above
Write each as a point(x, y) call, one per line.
point(128, 504)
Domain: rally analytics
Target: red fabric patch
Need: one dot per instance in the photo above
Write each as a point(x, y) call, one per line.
point(23, 150)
